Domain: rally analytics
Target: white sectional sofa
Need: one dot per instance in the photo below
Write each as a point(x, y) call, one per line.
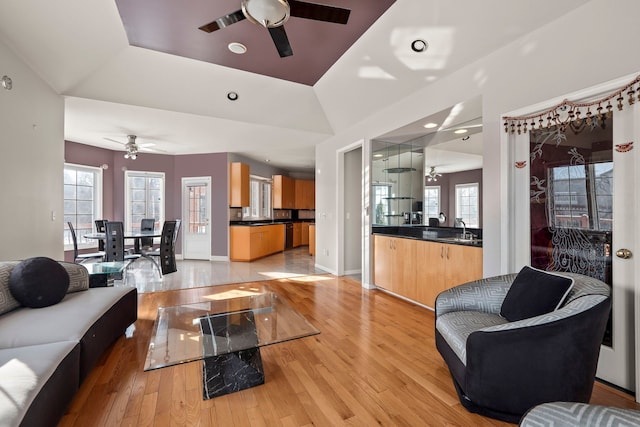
point(45, 353)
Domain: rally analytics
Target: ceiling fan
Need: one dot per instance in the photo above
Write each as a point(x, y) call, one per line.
point(272, 14)
point(132, 148)
point(433, 175)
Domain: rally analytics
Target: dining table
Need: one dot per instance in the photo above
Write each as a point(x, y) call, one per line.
point(136, 236)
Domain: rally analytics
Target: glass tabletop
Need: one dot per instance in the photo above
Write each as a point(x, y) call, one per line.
point(191, 332)
point(111, 267)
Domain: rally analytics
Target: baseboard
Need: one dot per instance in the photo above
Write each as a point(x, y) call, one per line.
point(352, 272)
point(327, 270)
point(220, 258)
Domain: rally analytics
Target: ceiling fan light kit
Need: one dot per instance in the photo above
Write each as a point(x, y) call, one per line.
point(433, 175)
point(272, 14)
point(131, 148)
point(268, 13)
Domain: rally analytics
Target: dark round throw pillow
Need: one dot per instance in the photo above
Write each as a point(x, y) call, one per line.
point(38, 282)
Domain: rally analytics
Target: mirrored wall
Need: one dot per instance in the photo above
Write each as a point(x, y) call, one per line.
point(397, 183)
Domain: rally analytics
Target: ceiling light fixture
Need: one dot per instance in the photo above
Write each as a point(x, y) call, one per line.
point(378, 155)
point(7, 83)
point(237, 48)
point(430, 125)
point(232, 96)
point(268, 13)
point(131, 148)
point(433, 175)
point(460, 131)
point(419, 45)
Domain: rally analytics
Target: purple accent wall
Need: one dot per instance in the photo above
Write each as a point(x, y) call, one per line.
point(216, 166)
point(174, 168)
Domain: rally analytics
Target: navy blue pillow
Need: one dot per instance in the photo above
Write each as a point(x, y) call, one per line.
point(38, 282)
point(534, 292)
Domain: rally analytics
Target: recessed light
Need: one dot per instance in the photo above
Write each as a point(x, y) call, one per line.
point(232, 96)
point(430, 125)
point(419, 45)
point(237, 48)
point(460, 131)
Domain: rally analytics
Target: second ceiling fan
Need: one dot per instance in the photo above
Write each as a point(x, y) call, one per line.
point(272, 14)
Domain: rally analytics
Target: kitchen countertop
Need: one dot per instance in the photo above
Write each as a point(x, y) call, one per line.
point(261, 223)
point(449, 235)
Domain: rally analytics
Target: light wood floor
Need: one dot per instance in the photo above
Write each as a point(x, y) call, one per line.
point(374, 363)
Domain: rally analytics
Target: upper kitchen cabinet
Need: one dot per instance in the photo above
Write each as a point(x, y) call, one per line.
point(305, 194)
point(283, 190)
point(239, 185)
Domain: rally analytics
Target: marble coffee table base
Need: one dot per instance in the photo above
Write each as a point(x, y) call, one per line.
point(231, 372)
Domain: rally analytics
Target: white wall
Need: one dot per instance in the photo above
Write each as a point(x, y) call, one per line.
point(31, 164)
point(590, 45)
point(353, 211)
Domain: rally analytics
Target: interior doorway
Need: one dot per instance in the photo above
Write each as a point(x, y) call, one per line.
point(196, 211)
point(350, 209)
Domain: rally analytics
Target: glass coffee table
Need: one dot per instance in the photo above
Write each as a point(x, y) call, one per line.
point(226, 334)
point(102, 273)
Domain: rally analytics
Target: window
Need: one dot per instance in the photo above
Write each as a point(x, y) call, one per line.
point(582, 196)
point(260, 199)
point(144, 198)
point(381, 202)
point(467, 204)
point(431, 202)
point(82, 202)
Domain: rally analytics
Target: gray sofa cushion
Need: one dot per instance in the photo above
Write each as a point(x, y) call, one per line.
point(68, 320)
point(571, 414)
point(7, 300)
point(456, 327)
point(78, 277)
point(24, 371)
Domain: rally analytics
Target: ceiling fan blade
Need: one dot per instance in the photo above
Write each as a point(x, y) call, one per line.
point(319, 12)
point(281, 41)
point(223, 21)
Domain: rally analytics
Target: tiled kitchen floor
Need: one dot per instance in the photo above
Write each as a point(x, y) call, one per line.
point(193, 274)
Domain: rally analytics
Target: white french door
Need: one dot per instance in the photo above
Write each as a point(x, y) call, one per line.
point(590, 206)
point(196, 226)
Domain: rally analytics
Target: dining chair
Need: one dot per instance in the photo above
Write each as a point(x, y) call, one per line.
point(147, 224)
point(114, 243)
point(167, 250)
point(78, 256)
point(100, 229)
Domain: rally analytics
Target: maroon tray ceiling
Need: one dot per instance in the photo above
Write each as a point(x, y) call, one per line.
point(172, 27)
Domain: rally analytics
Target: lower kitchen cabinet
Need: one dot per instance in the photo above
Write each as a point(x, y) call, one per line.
point(297, 234)
point(304, 235)
point(252, 242)
point(420, 270)
point(312, 239)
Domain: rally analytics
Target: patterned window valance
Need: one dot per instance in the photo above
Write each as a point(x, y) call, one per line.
point(574, 114)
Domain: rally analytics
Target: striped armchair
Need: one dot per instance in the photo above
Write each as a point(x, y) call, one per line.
point(501, 369)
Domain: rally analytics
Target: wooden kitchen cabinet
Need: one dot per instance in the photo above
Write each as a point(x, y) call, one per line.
point(420, 270)
point(304, 235)
point(252, 242)
point(283, 191)
point(297, 234)
point(394, 265)
point(239, 185)
point(312, 239)
point(305, 194)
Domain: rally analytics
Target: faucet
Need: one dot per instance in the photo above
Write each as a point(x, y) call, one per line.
point(464, 229)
